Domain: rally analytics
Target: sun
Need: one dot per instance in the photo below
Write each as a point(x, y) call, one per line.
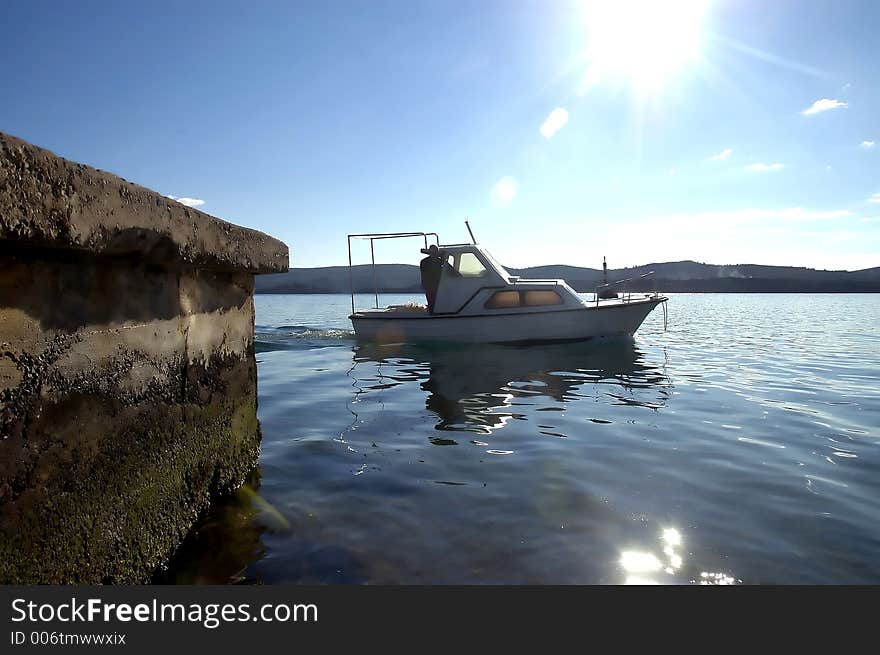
point(645, 41)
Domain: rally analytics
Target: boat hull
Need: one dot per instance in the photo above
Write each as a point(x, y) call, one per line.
point(587, 322)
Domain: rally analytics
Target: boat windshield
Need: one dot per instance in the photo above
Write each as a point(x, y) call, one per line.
point(467, 264)
point(494, 262)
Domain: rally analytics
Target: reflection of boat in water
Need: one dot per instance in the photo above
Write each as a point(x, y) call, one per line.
point(478, 301)
point(478, 388)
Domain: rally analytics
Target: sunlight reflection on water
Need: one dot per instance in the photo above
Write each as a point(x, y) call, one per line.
point(707, 454)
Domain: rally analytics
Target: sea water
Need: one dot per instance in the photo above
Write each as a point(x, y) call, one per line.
point(741, 444)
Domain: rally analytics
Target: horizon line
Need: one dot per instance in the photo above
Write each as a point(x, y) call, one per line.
point(654, 263)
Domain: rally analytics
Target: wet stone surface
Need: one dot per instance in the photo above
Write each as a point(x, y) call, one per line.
point(127, 373)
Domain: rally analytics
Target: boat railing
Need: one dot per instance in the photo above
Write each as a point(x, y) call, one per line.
point(623, 288)
point(373, 237)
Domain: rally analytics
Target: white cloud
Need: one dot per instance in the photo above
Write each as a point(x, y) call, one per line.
point(763, 168)
point(867, 145)
point(189, 202)
point(712, 221)
point(874, 198)
point(554, 122)
point(745, 235)
point(823, 105)
point(503, 191)
point(798, 214)
point(720, 156)
point(751, 235)
point(672, 171)
point(787, 215)
point(757, 235)
point(830, 237)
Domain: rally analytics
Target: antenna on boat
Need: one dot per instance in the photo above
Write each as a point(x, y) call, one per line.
point(470, 231)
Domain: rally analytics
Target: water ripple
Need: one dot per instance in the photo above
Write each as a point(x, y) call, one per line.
point(739, 445)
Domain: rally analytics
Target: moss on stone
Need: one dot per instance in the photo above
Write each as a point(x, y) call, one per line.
point(114, 488)
point(120, 518)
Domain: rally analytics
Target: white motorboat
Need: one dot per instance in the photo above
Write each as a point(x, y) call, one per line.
point(478, 301)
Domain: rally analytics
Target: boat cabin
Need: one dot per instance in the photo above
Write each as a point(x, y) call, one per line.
point(473, 282)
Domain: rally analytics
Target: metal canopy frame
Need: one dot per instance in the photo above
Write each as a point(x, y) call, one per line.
point(376, 237)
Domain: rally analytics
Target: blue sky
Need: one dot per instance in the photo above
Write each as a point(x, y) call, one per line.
point(564, 131)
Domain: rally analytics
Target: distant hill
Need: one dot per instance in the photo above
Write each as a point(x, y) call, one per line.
point(686, 276)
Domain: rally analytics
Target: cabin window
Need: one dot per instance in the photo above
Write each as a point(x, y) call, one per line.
point(539, 298)
point(509, 299)
point(503, 300)
point(469, 265)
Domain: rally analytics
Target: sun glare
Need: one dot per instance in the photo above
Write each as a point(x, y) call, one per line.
point(643, 40)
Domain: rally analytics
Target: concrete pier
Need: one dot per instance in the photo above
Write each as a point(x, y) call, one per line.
point(127, 372)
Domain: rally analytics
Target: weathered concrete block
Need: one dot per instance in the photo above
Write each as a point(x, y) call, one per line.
point(127, 372)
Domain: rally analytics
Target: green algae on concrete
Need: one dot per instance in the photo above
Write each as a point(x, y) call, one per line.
point(127, 373)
